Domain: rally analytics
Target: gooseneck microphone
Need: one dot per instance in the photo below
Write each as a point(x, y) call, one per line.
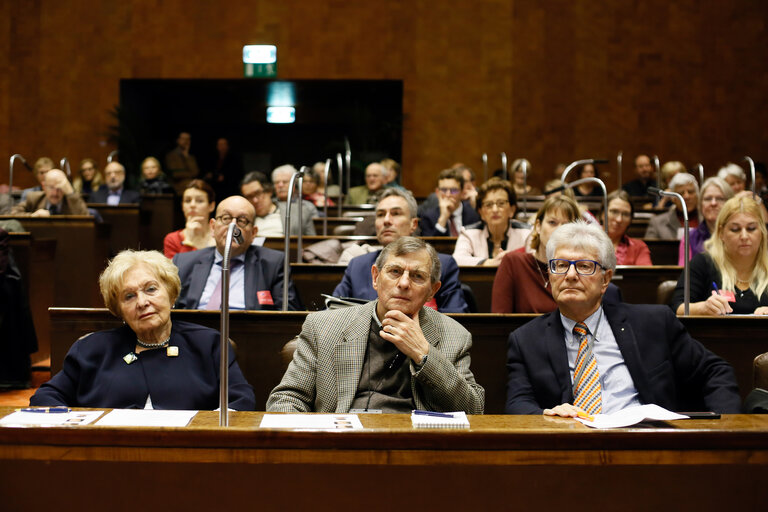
point(577, 163)
point(656, 191)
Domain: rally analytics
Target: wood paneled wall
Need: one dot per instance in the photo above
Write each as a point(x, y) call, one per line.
point(551, 80)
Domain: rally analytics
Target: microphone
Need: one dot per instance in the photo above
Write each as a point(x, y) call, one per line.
point(656, 191)
point(599, 160)
point(237, 235)
point(24, 163)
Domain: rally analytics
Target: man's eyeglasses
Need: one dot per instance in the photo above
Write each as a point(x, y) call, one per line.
point(450, 191)
point(583, 267)
point(395, 272)
point(501, 203)
point(242, 221)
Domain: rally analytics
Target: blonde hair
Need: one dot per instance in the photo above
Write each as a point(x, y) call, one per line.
point(758, 279)
point(111, 280)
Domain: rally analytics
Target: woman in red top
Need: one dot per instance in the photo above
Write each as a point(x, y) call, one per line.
point(522, 284)
point(629, 251)
point(197, 204)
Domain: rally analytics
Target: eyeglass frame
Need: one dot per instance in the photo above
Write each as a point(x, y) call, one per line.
point(238, 220)
point(501, 203)
point(573, 263)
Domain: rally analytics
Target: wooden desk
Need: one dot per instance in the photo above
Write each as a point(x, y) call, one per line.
point(123, 220)
point(260, 335)
point(501, 463)
point(663, 252)
point(158, 216)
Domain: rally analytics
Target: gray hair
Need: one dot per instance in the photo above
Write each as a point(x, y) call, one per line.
point(405, 194)
point(683, 178)
point(408, 245)
point(731, 169)
point(585, 236)
point(720, 183)
point(283, 168)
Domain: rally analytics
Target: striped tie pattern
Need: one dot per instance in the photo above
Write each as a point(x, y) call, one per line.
point(586, 383)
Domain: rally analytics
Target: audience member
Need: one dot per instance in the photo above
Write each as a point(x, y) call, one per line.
point(639, 186)
point(391, 355)
point(257, 188)
point(197, 203)
point(499, 232)
point(256, 273)
point(168, 365)
point(333, 190)
point(42, 166)
point(226, 170)
point(391, 172)
point(281, 179)
point(734, 175)
point(57, 198)
point(310, 188)
point(181, 164)
point(113, 192)
point(629, 251)
point(593, 357)
point(732, 275)
point(88, 178)
point(668, 171)
point(452, 213)
point(714, 193)
point(521, 187)
point(588, 189)
point(468, 189)
point(153, 180)
point(669, 225)
point(374, 186)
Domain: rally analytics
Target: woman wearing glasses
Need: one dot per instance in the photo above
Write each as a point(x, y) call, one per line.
point(629, 251)
point(197, 204)
point(714, 193)
point(499, 233)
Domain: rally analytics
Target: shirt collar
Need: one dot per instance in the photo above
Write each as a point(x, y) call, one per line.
point(218, 258)
point(592, 322)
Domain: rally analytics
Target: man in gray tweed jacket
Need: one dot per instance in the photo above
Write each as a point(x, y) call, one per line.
point(392, 354)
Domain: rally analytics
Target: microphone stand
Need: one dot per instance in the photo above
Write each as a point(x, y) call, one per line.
point(348, 161)
point(10, 176)
point(592, 179)
point(340, 165)
point(619, 158)
point(64, 164)
point(325, 198)
point(524, 170)
point(503, 165)
point(112, 154)
point(657, 166)
point(287, 226)
point(577, 163)
point(232, 232)
point(485, 167)
point(752, 173)
point(686, 276)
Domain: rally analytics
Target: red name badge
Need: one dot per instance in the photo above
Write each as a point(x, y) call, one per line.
point(265, 298)
point(730, 296)
point(432, 303)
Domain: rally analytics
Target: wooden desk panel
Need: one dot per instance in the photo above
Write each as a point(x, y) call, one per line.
point(158, 216)
point(260, 335)
point(123, 220)
point(499, 461)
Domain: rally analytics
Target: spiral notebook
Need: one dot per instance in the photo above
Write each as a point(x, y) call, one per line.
point(444, 420)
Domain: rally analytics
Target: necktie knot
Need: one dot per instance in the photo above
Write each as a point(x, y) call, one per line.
point(580, 330)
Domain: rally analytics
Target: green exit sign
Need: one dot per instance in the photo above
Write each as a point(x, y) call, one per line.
point(259, 61)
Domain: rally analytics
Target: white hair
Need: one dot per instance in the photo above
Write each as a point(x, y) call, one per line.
point(283, 168)
point(731, 169)
point(583, 236)
point(683, 178)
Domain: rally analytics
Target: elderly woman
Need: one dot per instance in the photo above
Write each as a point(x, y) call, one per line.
point(521, 284)
point(198, 202)
point(734, 175)
point(149, 362)
point(153, 181)
point(629, 251)
point(732, 275)
point(89, 178)
point(499, 234)
point(668, 225)
point(521, 187)
point(312, 189)
point(714, 193)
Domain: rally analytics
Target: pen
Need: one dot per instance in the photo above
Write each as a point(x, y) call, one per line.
point(585, 416)
point(45, 409)
point(717, 290)
point(430, 413)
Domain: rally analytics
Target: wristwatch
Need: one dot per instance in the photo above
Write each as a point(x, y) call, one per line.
point(421, 363)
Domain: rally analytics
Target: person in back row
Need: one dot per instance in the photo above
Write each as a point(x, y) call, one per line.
point(452, 213)
point(395, 218)
point(57, 198)
point(113, 191)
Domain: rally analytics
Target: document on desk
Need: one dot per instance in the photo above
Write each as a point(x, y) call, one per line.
point(312, 421)
point(146, 418)
point(53, 419)
point(632, 416)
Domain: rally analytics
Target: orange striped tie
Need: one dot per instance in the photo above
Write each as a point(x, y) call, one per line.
point(586, 380)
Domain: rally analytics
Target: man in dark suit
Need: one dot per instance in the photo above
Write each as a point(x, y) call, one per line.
point(451, 213)
point(592, 357)
point(57, 198)
point(256, 273)
point(113, 192)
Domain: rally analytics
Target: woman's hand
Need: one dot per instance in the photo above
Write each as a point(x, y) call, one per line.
point(762, 310)
point(714, 305)
point(496, 260)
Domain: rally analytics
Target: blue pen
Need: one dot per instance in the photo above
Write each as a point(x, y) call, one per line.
point(46, 409)
point(717, 290)
point(430, 413)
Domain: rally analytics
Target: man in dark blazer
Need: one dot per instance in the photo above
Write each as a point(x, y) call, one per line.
point(643, 354)
point(452, 213)
point(256, 273)
point(57, 198)
point(113, 192)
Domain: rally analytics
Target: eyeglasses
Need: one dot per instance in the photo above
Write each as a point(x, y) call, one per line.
point(242, 221)
point(395, 272)
point(450, 191)
point(583, 267)
point(256, 195)
point(501, 203)
point(619, 213)
point(716, 199)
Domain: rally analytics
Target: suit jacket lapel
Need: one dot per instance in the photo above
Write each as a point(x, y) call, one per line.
point(199, 277)
point(625, 339)
point(554, 338)
point(350, 356)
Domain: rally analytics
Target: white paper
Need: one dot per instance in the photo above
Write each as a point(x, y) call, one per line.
point(632, 416)
point(72, 418)
point(458, 420)
point(146, 418)
point(312, 421)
